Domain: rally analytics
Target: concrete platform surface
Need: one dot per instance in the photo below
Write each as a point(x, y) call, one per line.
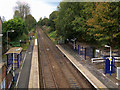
point(34, 73)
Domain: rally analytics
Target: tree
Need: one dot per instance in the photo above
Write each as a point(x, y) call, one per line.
point(22, 10)
point(104, 23)
point(64, 20)
point(96, 22)
point(45, 21)
point(16, 24)
point(30, 22)
point(71, 20)
point(52, 20)
point(40, 22)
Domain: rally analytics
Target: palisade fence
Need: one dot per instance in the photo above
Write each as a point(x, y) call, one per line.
point(88, 52)
point(85, 51)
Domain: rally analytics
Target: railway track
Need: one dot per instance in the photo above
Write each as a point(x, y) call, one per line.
point(56, 70)
point(48, 77)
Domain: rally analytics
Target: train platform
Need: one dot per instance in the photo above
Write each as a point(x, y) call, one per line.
point(89, 76)
point(34, 72)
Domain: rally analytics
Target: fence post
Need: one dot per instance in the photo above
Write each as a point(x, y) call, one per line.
point(82, 51)
point(85, 53)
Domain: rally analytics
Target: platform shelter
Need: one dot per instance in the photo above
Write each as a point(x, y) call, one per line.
point(14, 55)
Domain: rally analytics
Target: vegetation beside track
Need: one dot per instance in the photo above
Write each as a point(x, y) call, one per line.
point(51, 34)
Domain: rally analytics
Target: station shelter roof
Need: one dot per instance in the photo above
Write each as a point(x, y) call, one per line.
point(16, 50)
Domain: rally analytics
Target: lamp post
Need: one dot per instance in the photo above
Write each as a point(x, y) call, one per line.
point(20, 43)
point(110, 54)
point(74, 42)
point(7, 37)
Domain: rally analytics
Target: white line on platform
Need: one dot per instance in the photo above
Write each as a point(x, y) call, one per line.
point(35, 41)
point(20, 70)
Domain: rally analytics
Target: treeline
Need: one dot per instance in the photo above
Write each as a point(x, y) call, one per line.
point(91, 22)
point(22, 23)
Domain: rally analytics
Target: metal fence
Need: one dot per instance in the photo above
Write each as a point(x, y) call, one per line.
point(86, 52)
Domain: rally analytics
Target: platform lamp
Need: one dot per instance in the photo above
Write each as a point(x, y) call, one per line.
point(110, 54)
point(7, 37)
point(20, 43)
point(74, 42)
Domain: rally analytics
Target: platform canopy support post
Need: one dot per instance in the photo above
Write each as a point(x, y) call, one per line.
point(7, 60)
point(18, 60)
point(13, 69)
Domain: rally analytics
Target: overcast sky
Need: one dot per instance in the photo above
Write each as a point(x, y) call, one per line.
point(39, 8)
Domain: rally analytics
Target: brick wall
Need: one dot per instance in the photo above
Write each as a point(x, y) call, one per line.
point(8, 78)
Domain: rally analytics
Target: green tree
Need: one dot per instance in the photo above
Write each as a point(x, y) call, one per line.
point(45, 22)
point(52, 20)
point(30, 22)
point(71, 20)
point(40, 22)
point(16, 24)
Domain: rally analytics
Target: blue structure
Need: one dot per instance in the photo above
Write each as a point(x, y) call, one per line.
point(17, 60)
point(87, 51)
point(108, 66)
point(14, 58)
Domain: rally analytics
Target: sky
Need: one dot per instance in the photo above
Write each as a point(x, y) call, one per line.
point(39, 8)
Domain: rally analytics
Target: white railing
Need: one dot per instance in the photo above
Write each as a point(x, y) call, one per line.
point(117, 59)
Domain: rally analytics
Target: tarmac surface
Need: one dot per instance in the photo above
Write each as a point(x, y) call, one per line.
point(23, 73)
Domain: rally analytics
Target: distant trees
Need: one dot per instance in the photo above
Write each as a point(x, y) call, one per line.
point(40, 22)
point(92, 22)
point(22, 10)
point(30, 22)
point(44, 21)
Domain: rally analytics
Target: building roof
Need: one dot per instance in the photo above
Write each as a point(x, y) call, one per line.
point(16, 50)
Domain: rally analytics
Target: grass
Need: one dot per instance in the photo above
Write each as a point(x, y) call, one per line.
point(52, 36)
point(35, 35)
point(25, 46)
